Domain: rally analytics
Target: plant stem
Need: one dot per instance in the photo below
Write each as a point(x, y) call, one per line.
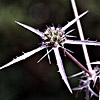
point(76, 61)
point(81, 36)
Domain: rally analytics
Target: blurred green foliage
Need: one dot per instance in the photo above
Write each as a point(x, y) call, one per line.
point(28, 80)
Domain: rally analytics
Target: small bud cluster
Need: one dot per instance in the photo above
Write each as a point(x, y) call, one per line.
point(90, 82)
point(54, 36)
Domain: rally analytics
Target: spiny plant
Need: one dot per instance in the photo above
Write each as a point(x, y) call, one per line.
point(53, 39)
point(91, 79)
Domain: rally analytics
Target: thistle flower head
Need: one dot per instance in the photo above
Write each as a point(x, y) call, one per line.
point(53, 37)
point(89, 82)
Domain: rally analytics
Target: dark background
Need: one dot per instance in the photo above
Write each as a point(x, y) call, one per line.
point(27, 80)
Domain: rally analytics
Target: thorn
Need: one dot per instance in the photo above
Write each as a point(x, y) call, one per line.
point(22, 52)
point(88, 38)
point(68, 21)
point(58, 71)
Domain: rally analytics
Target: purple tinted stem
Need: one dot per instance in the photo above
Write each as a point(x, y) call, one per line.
point(76, 61)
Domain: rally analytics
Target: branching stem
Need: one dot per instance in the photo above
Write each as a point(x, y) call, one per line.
point(81, 36)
